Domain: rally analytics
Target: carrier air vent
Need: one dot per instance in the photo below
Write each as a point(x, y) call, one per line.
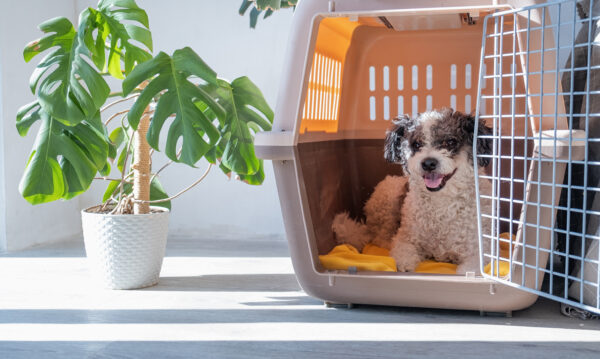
point(453, 77)
point(468, 76)
point(386, 78)
point(323, 93)
point(400, 105)
point(386, 108)
point(429, 77)
point(415, 106)
point(400, 77)
point(415, 77)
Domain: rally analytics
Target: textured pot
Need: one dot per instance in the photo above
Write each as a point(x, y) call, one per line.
point(125, 251)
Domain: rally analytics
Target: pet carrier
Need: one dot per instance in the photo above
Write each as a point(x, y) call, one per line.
point(352, 66)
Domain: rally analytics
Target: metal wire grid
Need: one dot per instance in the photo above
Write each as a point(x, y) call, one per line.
point(540, 142)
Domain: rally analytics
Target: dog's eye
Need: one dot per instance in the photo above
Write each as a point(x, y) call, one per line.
point(417, 145)
point(450, 143)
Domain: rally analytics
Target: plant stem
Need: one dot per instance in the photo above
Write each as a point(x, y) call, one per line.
point(141, 167)
point(165, 165)
point(115, 115)
point(108, 179)
point(119, 101)
point(120, 94)
point(183, 190)
point(115, 94)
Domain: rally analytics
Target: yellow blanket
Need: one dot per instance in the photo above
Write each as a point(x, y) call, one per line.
point(503, 265)
point(375, 258)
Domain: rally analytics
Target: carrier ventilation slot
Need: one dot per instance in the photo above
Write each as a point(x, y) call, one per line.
point(323, 94)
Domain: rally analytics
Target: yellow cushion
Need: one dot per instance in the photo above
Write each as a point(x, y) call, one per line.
point(344, 256)
point(375, 258)
point(375, 251)
point(503, 264)
point(503, 268)
point(429, 266)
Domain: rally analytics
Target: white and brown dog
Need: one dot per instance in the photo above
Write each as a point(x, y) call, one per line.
point(431, 213)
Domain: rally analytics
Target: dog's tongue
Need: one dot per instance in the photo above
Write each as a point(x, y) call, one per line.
point(433, 180)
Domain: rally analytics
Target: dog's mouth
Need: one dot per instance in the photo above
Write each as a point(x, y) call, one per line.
point(436, 181)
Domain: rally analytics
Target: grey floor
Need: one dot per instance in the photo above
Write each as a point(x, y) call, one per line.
point(240, 299)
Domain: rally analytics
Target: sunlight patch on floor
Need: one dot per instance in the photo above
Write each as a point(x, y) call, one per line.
point(403, 332)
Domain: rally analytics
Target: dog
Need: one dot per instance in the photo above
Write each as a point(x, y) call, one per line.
point(431, 212)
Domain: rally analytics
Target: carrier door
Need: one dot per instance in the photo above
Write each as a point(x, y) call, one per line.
point(539, 227)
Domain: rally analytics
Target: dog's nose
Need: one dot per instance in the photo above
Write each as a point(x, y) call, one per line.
point(429, 164)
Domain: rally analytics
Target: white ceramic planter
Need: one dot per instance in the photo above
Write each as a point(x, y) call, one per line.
point(125, 251)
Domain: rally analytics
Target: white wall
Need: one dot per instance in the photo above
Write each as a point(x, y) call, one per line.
point(2, 202)
point(23, 225)
point(218, 207)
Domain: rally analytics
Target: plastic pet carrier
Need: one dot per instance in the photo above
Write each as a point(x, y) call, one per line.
point(352, 66)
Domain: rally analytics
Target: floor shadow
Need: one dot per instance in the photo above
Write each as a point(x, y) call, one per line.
point(229, 283)
point(281, 301)
point(315, 313)
point(298, 349)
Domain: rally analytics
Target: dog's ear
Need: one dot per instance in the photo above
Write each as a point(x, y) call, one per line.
point(394, 137)
point(484, 145)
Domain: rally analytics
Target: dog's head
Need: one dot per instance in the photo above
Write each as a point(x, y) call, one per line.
point(435, 145)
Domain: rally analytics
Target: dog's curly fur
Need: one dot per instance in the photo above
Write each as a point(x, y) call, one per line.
point(382, 212)
point(431, 213)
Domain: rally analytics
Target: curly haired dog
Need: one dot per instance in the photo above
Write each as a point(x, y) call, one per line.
point(431, 213)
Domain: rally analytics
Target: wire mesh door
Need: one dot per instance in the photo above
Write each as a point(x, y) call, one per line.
point(539, 89)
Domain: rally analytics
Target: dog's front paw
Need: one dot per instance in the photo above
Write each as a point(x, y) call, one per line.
point(406, 256)
point(407, 266)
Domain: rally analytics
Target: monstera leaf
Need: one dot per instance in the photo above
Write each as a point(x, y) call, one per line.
point(268, 5)
point(247, 113)
point(69, 89)
point(170, 78)
point(64, 159)
point(121, 23)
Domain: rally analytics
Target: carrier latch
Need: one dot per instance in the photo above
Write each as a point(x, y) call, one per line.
point(469, 18)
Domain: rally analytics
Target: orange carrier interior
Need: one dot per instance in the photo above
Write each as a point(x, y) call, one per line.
point(365, 72)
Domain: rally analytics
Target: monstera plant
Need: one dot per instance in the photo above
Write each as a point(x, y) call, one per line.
point(173, 99)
